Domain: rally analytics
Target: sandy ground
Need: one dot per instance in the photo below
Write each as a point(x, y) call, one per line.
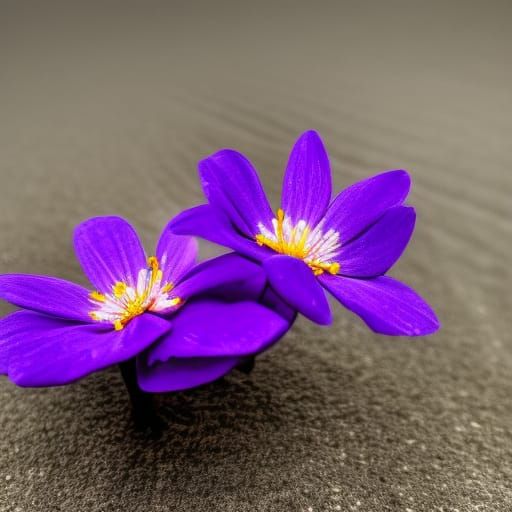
point(108, 111)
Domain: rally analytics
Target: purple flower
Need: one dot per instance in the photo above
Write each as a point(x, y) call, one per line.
point(188, 324)
point(312, 243)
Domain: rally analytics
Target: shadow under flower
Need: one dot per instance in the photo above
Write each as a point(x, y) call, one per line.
point(217, 438)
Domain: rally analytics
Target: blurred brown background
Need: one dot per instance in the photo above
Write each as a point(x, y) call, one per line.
point(107, 108)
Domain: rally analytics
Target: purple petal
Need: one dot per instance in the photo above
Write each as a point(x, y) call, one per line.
point(178, 374)
point(211, 328)
point(227, 269)
point(231, 184)
point(377, 249)
point(7, 328)
point(296, 284)
point(45, 351)
point(209, 223)
point(361, 204)
point(250, 288)
point(386, 305)
point(271, 300)
point(48, 295)
point(109, 251)
point(307, 184)
point(3, 361)
point(176, 255)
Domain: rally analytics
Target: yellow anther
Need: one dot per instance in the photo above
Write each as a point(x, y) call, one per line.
point(153, 263)
point(126, 301)
point(263, 240)
point(334, 268)
point(97, 296)
point(290, 246)
point(156, 275)
point(119, 289)
point(167, 288)
point(279, 229)
point(319, 267)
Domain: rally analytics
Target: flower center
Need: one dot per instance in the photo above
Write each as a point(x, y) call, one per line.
point(126, 302)
point(314, 247)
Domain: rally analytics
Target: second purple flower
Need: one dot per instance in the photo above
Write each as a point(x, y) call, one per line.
point(311, 243)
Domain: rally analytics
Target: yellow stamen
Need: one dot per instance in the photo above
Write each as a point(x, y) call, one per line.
point(167, 288)
point(97, 296)
point(156, 274)
point(319, 267)
point(126, 302)
point(301, 250)
point(295, 248)
point(279, 230)
point(153, 263)
point(119, 289)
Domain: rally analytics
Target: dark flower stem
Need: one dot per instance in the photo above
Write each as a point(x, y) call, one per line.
point(143, 411)
point(247, 366)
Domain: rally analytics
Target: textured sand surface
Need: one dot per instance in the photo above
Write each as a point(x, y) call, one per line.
point(108, 111)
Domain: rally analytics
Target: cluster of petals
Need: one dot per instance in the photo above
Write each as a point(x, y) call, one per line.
point(203, 321)
point(345, 245)
point(188, 323)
